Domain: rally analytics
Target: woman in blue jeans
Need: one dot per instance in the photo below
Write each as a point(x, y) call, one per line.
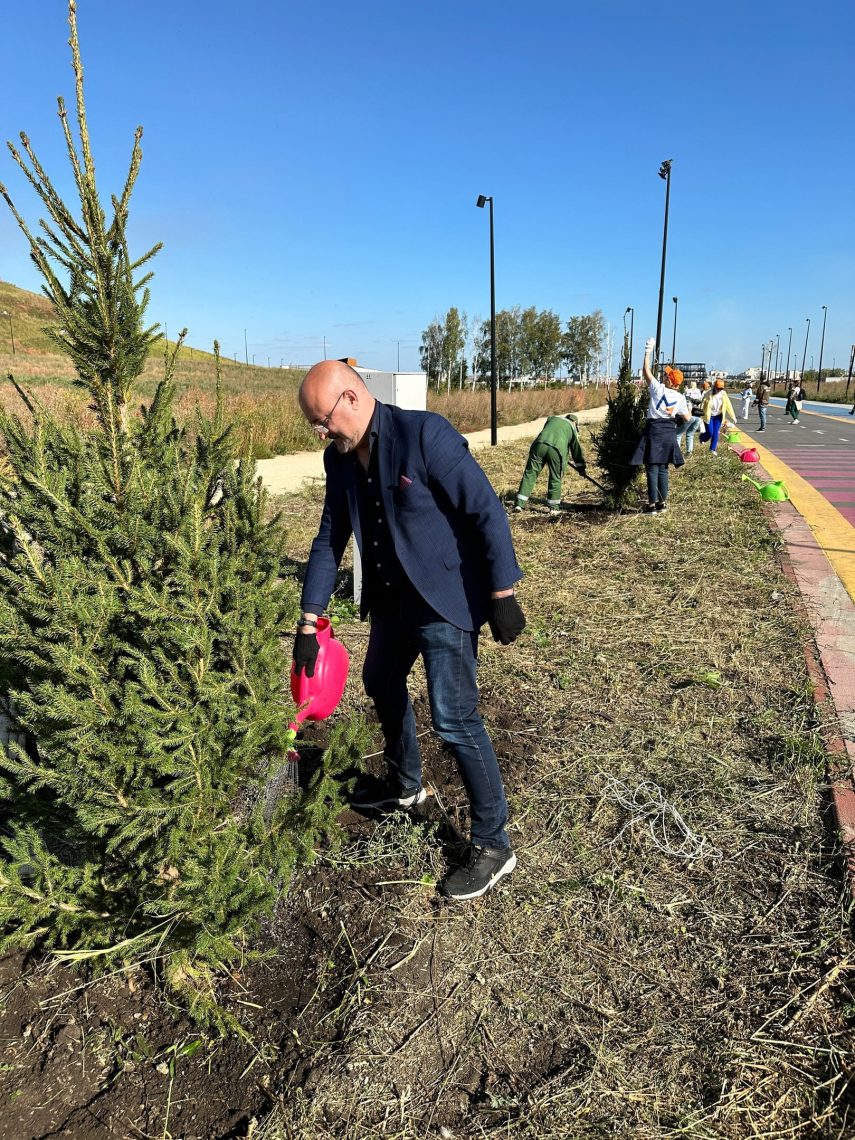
point(658, 447)
point(718, 411)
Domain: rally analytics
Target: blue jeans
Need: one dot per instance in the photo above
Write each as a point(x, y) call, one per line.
point(657, 482)
point(764, 411)
point(686, 432)
point(399, 633)
point(714, 427)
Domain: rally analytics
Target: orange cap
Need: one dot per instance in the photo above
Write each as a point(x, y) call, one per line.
point(675, 375)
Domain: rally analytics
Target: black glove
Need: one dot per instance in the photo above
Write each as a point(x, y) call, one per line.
point(582, 468)
point(305, 653)
point(507, 621)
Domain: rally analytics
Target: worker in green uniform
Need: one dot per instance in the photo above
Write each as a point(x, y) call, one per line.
point(557, 443)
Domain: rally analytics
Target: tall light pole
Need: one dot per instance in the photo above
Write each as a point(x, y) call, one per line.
point(674, 341)
point(399, 356)
point(11, 331)
point(664, 172)
point(789, 346)
point(821, 345)
point(763, 361)
point(325, 348)
point(777, 352)
point(631, 311)
point(483, 199)
point(245, 348)
point(804, 354)
point(851, 363)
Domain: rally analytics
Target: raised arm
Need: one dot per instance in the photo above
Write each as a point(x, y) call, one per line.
point(648, 353)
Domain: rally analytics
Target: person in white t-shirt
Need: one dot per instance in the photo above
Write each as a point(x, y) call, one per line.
point(718, 411)
point(658, 448)
point(686, 431)
point(747, 397)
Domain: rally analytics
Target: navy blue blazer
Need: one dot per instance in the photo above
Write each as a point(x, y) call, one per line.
point(450, 531)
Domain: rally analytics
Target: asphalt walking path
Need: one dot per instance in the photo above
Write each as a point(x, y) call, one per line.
point(284, 473)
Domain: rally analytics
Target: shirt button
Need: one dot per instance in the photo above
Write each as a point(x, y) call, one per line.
point(369, 478)
point(377, 504)
point(388, 583)
point(375, 543)
point(378, 565)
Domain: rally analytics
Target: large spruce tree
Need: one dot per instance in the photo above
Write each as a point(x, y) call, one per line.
point(141, 614)
point(616, 440)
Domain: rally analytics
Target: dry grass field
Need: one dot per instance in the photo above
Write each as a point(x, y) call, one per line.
point(261, 402)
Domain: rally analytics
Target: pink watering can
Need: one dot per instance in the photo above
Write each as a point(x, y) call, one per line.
point(749, 455)
point(317, 696)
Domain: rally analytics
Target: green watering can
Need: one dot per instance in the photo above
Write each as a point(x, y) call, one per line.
point(733, 437)
point(770, 492)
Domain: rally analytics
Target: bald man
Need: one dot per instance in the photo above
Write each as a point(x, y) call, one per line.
point(437, 562)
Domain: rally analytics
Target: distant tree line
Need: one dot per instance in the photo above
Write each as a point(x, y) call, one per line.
point(530, 344)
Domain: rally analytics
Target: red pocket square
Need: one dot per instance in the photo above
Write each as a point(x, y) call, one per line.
point(404, 482)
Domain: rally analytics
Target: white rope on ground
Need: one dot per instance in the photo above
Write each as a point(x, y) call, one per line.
point(668, 830)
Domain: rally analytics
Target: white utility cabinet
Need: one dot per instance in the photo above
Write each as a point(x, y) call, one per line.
point(402, 389)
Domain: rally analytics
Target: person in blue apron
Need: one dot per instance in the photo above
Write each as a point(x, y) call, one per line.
point(658, 448)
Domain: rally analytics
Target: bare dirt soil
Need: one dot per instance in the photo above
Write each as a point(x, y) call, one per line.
point(672, 957)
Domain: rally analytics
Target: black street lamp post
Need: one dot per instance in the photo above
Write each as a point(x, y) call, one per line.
point(789, 346)
point(483, 199)
point(629, 309)
point(821, 345)
point(11, 331)
point(664, 172)
point(245, 348)
point(851, 362)
point(804, 354)
point(777, 353)
point(763, 361)
point(674, 341)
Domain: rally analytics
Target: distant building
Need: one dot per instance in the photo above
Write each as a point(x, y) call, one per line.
point(696, 372)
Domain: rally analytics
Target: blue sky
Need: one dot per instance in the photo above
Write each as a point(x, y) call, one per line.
point(312, 168)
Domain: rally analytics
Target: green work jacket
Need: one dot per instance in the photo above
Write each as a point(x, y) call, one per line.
point(561, 434)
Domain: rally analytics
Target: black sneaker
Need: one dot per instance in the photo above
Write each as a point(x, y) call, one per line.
point(482, 869)
point(386, 797)
point(661, 507)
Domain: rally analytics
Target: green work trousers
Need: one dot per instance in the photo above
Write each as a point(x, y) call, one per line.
point(540, 453)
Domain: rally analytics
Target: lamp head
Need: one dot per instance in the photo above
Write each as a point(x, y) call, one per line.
point(665, 168)
point(674, 299)
point(482, 201)
point(628, 309)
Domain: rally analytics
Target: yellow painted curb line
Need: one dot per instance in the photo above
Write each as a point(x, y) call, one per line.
point(834, 534)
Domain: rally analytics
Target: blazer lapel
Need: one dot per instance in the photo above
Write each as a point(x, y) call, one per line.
point(387, 463)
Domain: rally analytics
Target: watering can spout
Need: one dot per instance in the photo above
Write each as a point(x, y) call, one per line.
point(753, 482)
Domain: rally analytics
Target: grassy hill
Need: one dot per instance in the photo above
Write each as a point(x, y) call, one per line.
point(35, 361)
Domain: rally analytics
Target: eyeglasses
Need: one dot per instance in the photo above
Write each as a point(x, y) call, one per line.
point(322, 427)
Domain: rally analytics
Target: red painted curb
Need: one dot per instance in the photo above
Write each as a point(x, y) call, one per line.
point(842, 787)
